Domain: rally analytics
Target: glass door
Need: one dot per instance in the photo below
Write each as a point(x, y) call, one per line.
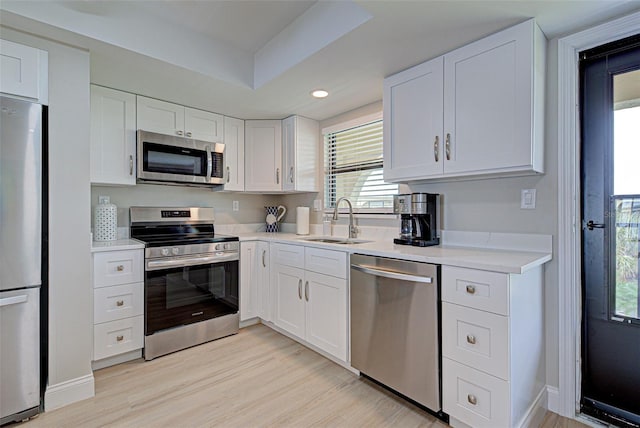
point(610, 169)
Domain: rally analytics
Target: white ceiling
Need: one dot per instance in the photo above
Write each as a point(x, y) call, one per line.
point(212, 54)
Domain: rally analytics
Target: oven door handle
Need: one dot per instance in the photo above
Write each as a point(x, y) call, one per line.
point(190, 261)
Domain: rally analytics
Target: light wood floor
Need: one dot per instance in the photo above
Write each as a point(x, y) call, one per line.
point(255, 378)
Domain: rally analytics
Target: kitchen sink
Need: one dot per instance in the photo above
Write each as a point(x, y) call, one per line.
point(335, 240)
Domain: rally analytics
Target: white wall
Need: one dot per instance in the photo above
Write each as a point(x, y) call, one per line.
point(251, 205)
point(70, 293)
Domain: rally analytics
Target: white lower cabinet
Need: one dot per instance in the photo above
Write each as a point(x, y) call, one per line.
point(492, 346)
point(310, 298)
point(118, 306)
point(254, 280)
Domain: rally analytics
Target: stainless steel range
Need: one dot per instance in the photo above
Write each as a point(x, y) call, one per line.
point(191, 278)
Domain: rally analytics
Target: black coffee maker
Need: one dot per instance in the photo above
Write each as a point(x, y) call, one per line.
point(419, 219)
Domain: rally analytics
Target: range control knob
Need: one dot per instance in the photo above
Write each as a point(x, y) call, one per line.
point(219, 247)
point(175, 251)
point(164, 251)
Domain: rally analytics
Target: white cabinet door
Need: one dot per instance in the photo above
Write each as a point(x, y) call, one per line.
point(300, 148)
point(160, 116)
point(203, 125)
point(234, 154)
point(23, 71)
point(289, 306)
point(262, 276)
point(413, 120)
point(113, 137)
point(249, 301)
point(489, 117)
point(326, 313)
point(263, 155)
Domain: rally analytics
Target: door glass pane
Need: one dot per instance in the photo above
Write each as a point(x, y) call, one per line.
point(626, 145)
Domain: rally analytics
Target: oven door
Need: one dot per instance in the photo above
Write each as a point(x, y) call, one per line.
point(184, 295)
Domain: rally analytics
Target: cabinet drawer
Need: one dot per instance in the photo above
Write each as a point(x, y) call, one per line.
point(478, 289)
point(288, 255)
point(116, 337)
point(326, 262)
point(473, 397)
point(117, 267)
point(117, 302)
point(476, 338)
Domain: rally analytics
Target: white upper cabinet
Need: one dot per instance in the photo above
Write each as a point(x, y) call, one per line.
point(491, 111)
point(413, 120)
point(113, 137)
point(263, 155)
point(233, 154)
point(300, 147)
point(282, 155)
point(173, 119)
point(24, 71)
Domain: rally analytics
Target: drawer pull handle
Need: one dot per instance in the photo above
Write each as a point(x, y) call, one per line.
point(120, 268)
point(120, 338)
point(471, 289)
point(471, 339)
point(120, 303)
point(472, 399)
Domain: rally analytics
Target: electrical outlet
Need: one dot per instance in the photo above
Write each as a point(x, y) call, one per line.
point(317, 204)
point(236, 205)
point(528, 199)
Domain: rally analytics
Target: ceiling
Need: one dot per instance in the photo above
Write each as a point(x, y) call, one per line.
point(260, 59)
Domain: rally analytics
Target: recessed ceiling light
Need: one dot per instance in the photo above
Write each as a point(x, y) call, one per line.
point(319, 93)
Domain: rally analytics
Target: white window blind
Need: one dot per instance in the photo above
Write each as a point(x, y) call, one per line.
point(353, 168)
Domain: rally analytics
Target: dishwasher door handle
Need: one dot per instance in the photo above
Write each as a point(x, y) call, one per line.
point(392, 274)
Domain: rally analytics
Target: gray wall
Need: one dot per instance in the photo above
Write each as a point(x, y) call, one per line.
point(70, 293)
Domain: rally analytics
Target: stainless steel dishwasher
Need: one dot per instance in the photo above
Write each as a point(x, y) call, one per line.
point(394, 326)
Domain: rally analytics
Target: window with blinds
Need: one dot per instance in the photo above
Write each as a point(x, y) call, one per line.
point(353, 169)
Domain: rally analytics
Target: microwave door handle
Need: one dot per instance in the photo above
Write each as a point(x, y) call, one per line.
point(209, 163)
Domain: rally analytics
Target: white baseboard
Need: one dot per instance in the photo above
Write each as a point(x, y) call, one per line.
point(68, 392)
point(118, 359)
point(536, 412)
point(553, 399)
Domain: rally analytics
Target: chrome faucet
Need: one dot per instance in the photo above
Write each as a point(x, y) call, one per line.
point(353, 230)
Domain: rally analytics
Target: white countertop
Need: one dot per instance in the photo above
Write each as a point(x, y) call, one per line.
point(119, 244)
point(506, 261)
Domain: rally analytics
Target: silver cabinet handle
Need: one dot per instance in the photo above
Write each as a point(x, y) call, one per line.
point(436, 149)
point(471, 339)
point(130, 164)
point(300, 289)
point(306, 291)
point(472, 399)
point(392, 274)
point(447, 147)
point(471, 289)
point(120, 303)
point(264, 255)
point(179, 132)
point(291, 174)
point(120, 268)
point(14, 300)
point(188, 134)
point(228, 174)
point(120, 338)
point(277, 175)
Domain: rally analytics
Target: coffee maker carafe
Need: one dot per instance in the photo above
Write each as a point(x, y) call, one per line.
point(419, 219)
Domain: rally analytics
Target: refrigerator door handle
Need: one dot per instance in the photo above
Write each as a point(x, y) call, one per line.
point(13, 300)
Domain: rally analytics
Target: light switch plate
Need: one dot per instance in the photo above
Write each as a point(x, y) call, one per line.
point(317, 204)
point(236, 206)
point(528, 199)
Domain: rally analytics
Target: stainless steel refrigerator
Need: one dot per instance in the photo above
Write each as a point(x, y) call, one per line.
point(21, 145)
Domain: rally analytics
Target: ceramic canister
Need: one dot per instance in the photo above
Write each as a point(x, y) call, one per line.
point(105, 221)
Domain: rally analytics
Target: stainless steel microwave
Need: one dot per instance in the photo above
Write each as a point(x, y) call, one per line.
point(176, 160)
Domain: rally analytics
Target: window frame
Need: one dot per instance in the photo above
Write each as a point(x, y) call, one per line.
point(343, 126)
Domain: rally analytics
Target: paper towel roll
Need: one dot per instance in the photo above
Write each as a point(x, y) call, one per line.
point(302, 220)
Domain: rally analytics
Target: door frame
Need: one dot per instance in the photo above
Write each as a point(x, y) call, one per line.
point(567, 400)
